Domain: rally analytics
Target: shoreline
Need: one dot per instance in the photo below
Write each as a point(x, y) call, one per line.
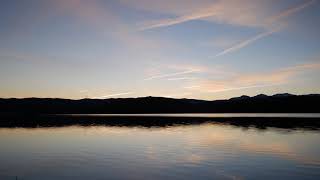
point(60, 120)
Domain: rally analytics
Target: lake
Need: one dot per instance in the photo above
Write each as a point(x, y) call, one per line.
point(206, 150)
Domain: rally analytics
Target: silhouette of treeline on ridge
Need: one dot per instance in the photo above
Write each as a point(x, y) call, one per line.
point(279, 103)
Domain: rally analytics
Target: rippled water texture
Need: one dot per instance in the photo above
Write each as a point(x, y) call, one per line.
point(207, 151)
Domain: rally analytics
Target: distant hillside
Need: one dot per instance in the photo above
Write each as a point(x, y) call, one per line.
point(284, 103)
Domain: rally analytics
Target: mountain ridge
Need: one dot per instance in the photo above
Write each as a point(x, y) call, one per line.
point(286, 103)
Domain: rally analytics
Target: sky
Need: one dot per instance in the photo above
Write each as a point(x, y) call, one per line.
point(200, 49)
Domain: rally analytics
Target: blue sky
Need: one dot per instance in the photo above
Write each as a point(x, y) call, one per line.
point(204, 49)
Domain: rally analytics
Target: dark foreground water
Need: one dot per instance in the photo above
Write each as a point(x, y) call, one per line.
point(195, 151)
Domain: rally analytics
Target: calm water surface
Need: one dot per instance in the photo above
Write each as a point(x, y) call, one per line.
point(206, 151)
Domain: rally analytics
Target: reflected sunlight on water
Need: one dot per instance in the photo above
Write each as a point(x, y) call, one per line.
point(177, 152)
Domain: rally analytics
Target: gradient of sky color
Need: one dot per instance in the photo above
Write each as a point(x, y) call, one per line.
point(204, 49)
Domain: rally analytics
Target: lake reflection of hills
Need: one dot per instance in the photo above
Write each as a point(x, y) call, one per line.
point(153, 112)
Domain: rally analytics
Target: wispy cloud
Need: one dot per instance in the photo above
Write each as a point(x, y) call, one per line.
point(181, 78)
point(191, 87)
point(251, 13)
point(173, 21)
point(245, 43)
point(108, 23)
point(240, 88)
point(270, 28)
point(283, 75)
point(171, 74)
point(112, 95)
point(290, 11)
point(254, 80)
point(245, 12)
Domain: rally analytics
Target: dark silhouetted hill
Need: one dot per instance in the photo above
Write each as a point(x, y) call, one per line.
point(279, 103)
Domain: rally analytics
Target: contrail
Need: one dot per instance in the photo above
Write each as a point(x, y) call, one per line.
point(178, 20)
point(245, 43)
point(181, 78)
point(271, 20)
point(170, 75)
point(239, 88)
point(290, 11)
point(113, 95)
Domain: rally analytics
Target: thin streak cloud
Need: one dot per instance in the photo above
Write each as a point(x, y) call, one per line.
point(192, 87)
point(282, 76)
point(245, 43)
point(271, 20)
point(245, 87)
point(290, 11)
point(181, 78)
point(230, 12)
point(171, 75)
point(174, 21)
point(112, 95)
point(233, 12)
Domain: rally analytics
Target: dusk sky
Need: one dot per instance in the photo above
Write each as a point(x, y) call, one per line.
point(203, 49)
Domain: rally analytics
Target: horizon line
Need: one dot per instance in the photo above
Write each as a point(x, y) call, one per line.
point(20, 98)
